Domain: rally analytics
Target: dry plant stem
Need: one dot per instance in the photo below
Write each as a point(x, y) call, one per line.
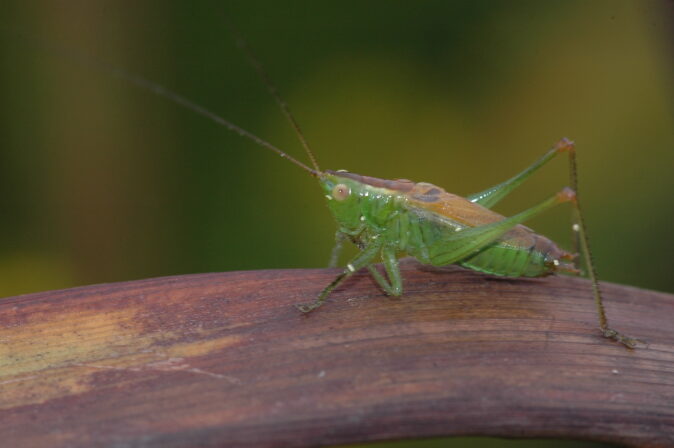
point(226, 360)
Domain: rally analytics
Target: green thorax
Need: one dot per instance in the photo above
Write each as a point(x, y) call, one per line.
point(359, 201)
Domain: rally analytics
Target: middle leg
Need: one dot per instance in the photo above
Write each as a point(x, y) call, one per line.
point(394, 285)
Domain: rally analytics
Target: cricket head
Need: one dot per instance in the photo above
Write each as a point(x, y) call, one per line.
point(343, 195)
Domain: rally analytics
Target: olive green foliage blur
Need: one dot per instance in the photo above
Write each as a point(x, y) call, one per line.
point(101, 181)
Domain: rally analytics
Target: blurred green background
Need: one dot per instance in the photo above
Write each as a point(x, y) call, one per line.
point(101, 181)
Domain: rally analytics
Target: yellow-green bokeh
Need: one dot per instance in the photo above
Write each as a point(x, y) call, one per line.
point(101, 182)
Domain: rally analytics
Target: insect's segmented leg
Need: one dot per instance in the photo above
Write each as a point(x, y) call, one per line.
point(489, 197)
point(340, 237)
point(459, 245)
point(580, 238)
point(603, 321)
point(361, 260)
point(395, 286)
point(576, 218)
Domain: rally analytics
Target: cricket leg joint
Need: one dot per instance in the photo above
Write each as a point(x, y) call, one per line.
point(566, 195)
point(565, 145)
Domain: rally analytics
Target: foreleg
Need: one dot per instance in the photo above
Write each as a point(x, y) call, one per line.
point(340, 237)
point(361, 260)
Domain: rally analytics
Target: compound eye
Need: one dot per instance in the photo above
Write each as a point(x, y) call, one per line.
point(340, 192)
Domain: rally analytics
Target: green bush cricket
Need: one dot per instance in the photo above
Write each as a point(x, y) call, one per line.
point(388, 219)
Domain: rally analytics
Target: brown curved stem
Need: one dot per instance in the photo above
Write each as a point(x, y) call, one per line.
point(227, 360)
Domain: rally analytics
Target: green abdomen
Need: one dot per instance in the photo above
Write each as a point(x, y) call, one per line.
point(501, 259)
point(519, 253)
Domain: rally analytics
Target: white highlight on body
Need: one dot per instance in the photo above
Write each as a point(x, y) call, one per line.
point(350, 267)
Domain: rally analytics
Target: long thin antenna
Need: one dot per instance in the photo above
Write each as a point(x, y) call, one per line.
point(91, 61)
point(162, 91)
point(254, 61)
